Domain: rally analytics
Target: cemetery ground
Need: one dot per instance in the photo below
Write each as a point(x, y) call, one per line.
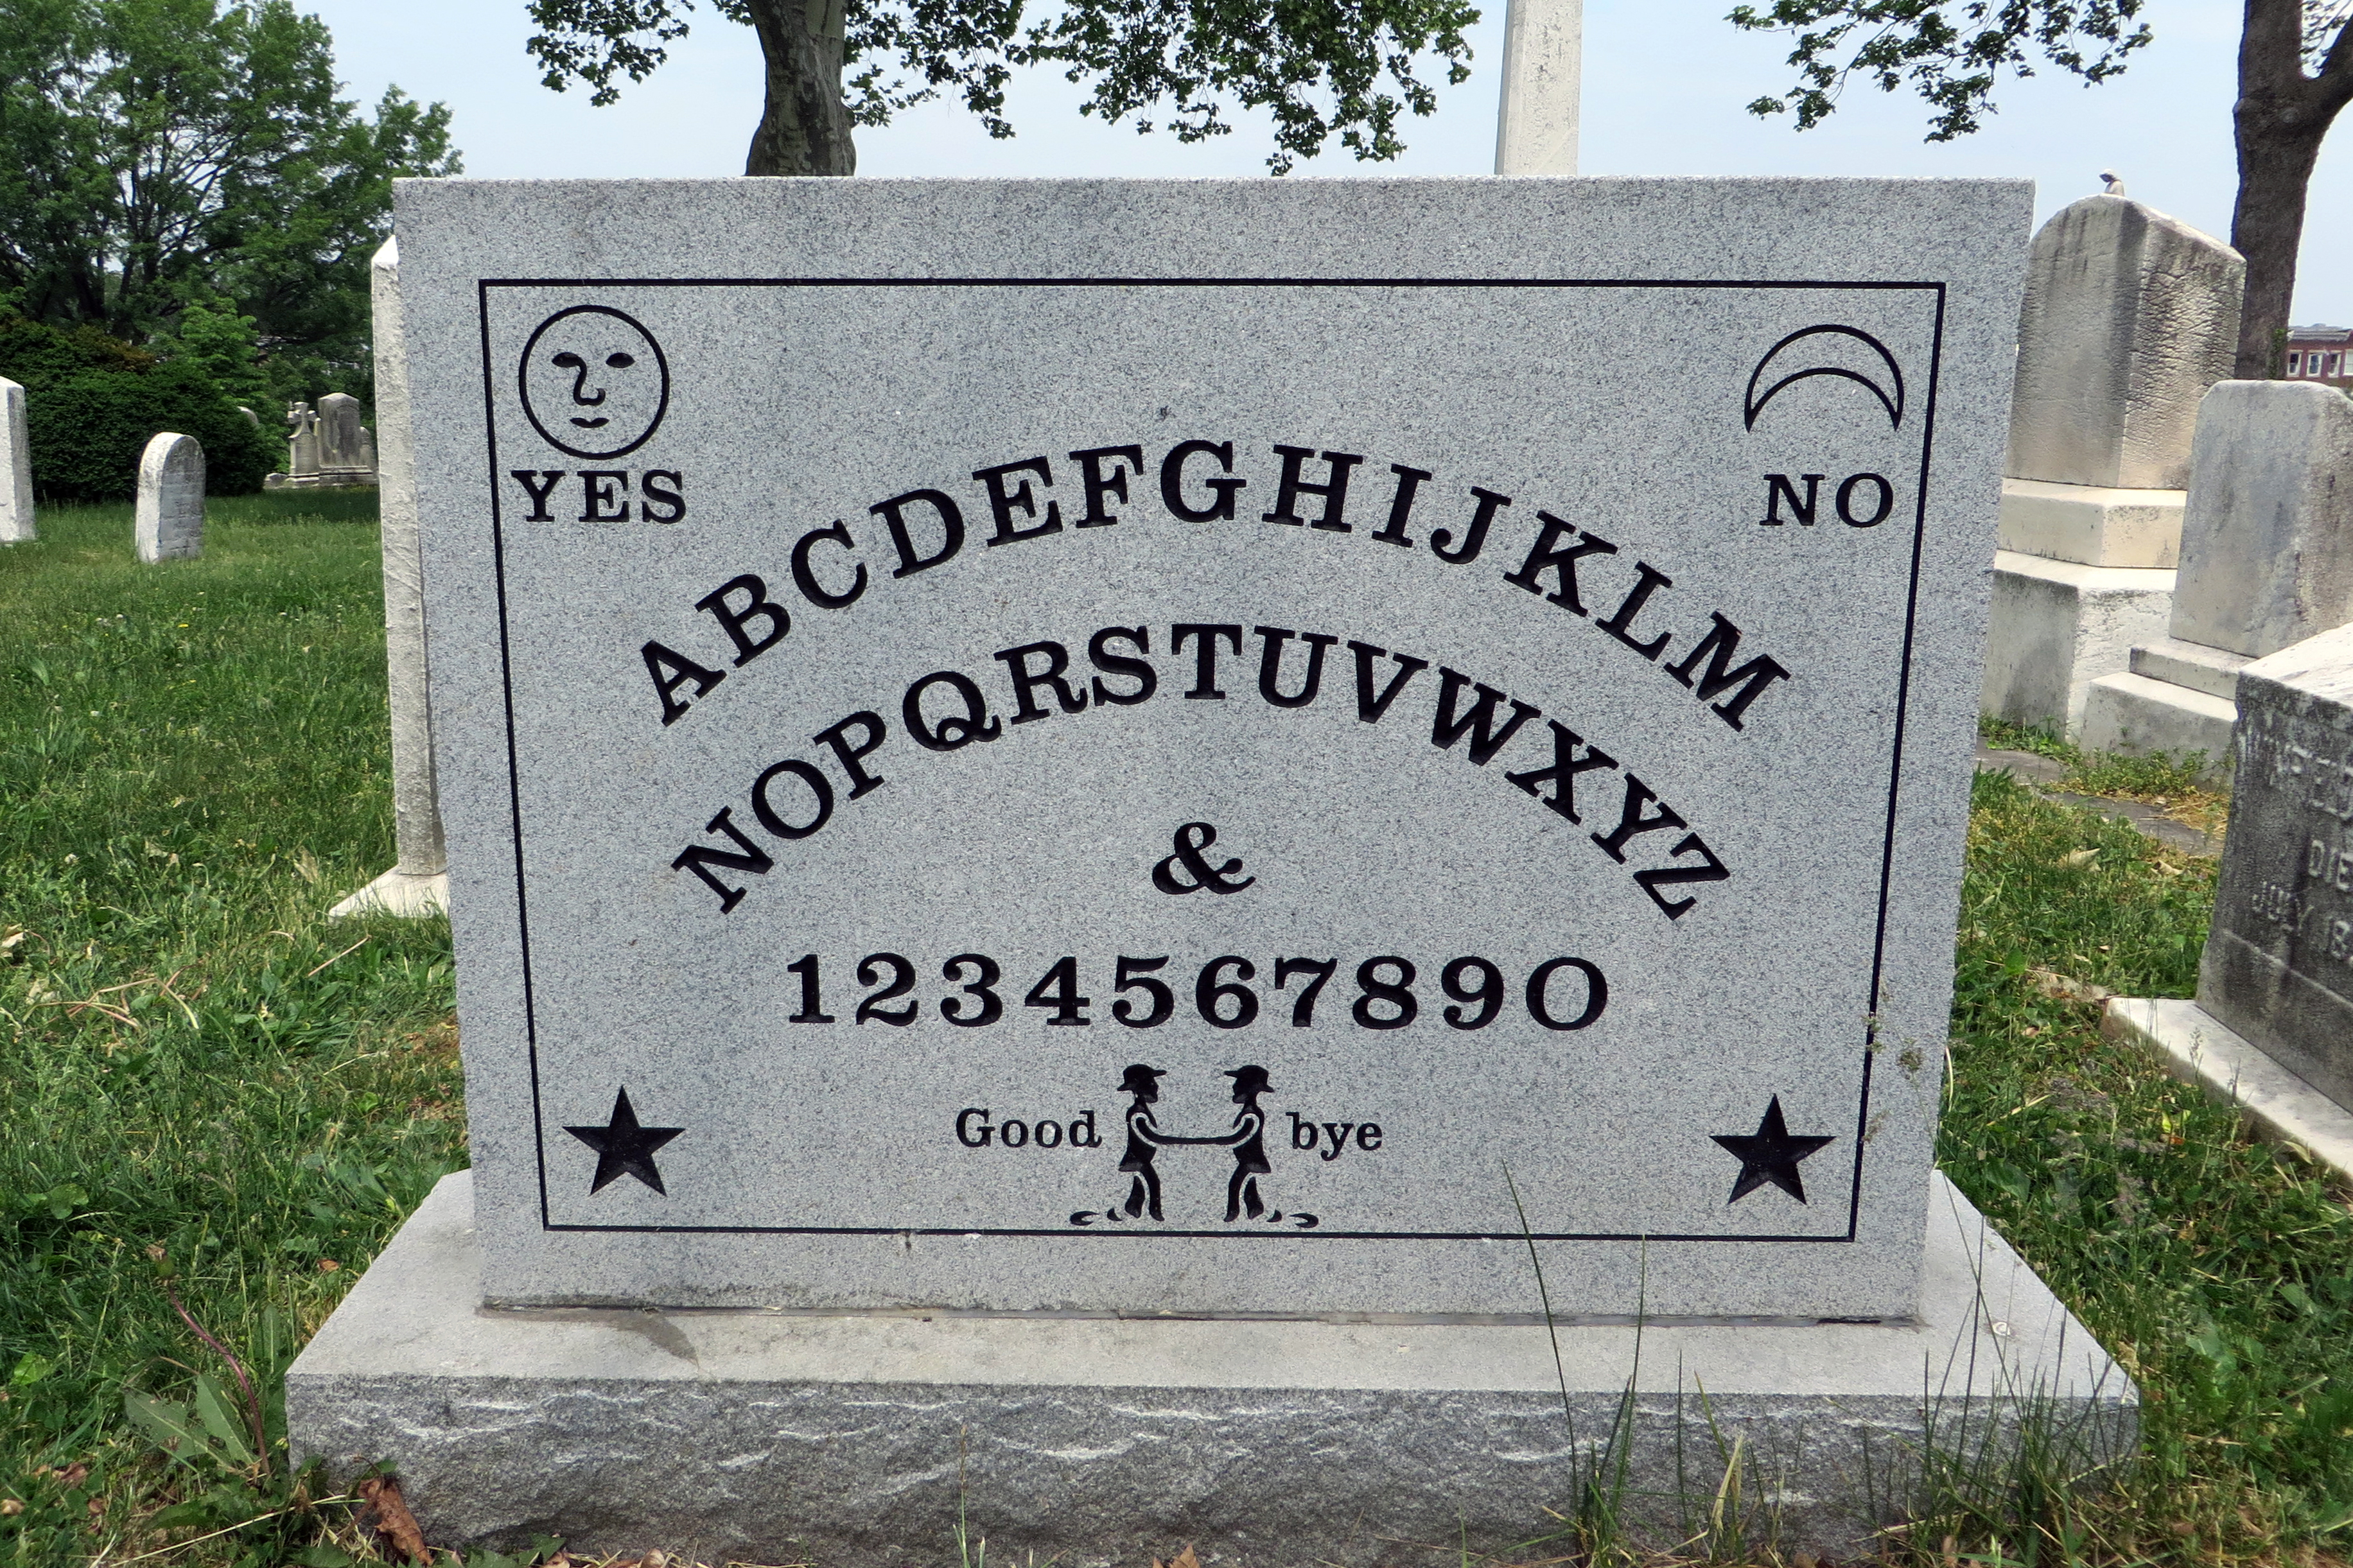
point(219, 1105)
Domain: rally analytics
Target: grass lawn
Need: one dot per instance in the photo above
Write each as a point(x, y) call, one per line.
point(194, 767)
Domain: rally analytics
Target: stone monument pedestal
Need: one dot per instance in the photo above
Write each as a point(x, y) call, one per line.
point(2266, 562)
point(2198, 1048)
point(2059, 625)
point(853, 1438)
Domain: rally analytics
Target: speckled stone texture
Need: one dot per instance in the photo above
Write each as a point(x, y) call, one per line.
point(2278, 966)
point(2130, 316)
point(686, 455)
point(856, 1439)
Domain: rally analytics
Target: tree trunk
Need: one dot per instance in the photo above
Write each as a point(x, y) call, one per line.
point(2281, 118)
point(805, 128)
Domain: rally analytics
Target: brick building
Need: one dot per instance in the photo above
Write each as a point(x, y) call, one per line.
point(2321, 353)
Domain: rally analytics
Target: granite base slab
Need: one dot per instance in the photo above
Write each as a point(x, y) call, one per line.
point(2200, 1048)
point(398, 892)
point(862, 1438)
point(2137, 715)
point(2056, 627)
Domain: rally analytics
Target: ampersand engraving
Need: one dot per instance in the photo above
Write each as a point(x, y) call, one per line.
point(1190, 840)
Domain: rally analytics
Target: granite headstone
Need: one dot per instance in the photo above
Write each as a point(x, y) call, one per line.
point(16, 468)
point(2278, 966)
point(1206, 747)
point(168, 522)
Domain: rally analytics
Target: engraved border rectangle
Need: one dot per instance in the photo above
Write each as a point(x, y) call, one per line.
point(1895, 759)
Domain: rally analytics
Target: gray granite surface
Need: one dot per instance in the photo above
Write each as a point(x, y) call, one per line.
point(860, 1438)
point(2130, 316)
point(2267, 534)
point(168, 519)
point(2278, 966)
point(831, 583)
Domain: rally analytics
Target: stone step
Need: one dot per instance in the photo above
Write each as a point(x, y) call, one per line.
point(2137, 715)
point(2211, 670)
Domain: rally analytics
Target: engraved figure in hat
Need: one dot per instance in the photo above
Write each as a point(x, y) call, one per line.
point(1145, 1141)
point(1248, 1141)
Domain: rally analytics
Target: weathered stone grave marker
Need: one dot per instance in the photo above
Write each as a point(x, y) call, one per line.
point(168, 521)
point(16, 468)
point(2130, 315)
point(419, 883)
point(327, 447)
point(2273, 1024)
point(2266, 562)
point(988, 772)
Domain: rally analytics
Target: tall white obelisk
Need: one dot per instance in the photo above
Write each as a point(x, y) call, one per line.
point(1536, 122)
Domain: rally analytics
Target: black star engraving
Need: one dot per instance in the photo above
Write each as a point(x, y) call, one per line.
point(1770, 1154)
point(624, 1148)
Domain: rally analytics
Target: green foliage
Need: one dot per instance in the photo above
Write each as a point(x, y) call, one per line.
point(225, 347)
point(1953, 52)
point(92, 403)
point(156, 154)
point(2219, 1271)
point(1321, 70)
point(193, 766)
point(87, 434)
point(2163, 774)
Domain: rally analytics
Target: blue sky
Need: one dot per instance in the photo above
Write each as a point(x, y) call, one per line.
point(1664, 83)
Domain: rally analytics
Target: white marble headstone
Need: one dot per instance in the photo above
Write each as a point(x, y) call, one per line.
point(2267, 535)
point(1132, 746)
point(2130, 315)
point(343, 440)
point(169, 518)
point(16, 468)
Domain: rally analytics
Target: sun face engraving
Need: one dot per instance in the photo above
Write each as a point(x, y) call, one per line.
point(594, 382)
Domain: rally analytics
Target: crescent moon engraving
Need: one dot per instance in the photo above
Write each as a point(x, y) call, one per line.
point(1891, 397)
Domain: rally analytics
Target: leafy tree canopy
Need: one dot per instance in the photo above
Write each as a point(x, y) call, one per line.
point(1953, 54)
point(2295, 75)
point(1322, 69)
point(182, 174)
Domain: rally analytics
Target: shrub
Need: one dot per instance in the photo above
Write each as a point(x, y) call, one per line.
point(91, 404)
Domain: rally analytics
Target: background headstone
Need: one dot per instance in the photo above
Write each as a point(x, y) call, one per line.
point(2267, 548)
point(2279, 967)
point(16, 468)
point(169, 522)
point(2266, 562)
point(2129, 316)
point(419, 883)
point(2127, 320)
point(346, 450)
point(302, 444)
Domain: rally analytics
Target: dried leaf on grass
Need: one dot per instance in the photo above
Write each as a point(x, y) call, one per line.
point(2066, 987)
point(393, 1520)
